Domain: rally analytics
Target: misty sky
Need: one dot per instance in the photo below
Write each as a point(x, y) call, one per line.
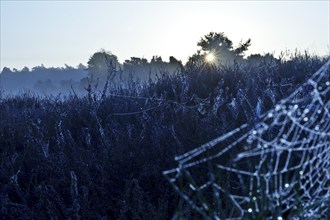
point(57, 32)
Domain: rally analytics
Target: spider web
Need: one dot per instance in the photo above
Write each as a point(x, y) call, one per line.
point(280, 169)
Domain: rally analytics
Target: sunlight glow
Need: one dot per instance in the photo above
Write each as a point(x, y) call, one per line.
point(210, 57)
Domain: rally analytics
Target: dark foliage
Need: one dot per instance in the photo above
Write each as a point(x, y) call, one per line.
point(102, 157)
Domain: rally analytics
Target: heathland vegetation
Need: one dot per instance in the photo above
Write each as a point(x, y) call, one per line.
point(99, 152)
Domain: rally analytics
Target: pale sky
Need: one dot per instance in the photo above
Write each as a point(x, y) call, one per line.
point(55, 33)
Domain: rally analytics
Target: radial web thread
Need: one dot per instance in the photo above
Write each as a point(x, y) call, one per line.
point(279, 169)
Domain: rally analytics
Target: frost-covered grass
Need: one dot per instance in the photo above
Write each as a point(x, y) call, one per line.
point(102, 156)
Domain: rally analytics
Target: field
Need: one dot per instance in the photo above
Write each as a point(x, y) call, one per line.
point(102, 155)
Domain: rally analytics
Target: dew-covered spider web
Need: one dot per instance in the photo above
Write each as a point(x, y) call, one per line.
point(280, 169)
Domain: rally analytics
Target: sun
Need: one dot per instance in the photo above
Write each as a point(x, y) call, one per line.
point(210, 58)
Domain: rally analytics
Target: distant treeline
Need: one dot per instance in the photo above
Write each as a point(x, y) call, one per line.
point(70, 79)
point(103, 67)
point(41, 79)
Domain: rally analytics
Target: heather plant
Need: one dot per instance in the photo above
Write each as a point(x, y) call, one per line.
point(101, 156)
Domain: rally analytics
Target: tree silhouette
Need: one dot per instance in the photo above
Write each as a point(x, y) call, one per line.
point(136, 67)
point(220, 44)
point(99, 66)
